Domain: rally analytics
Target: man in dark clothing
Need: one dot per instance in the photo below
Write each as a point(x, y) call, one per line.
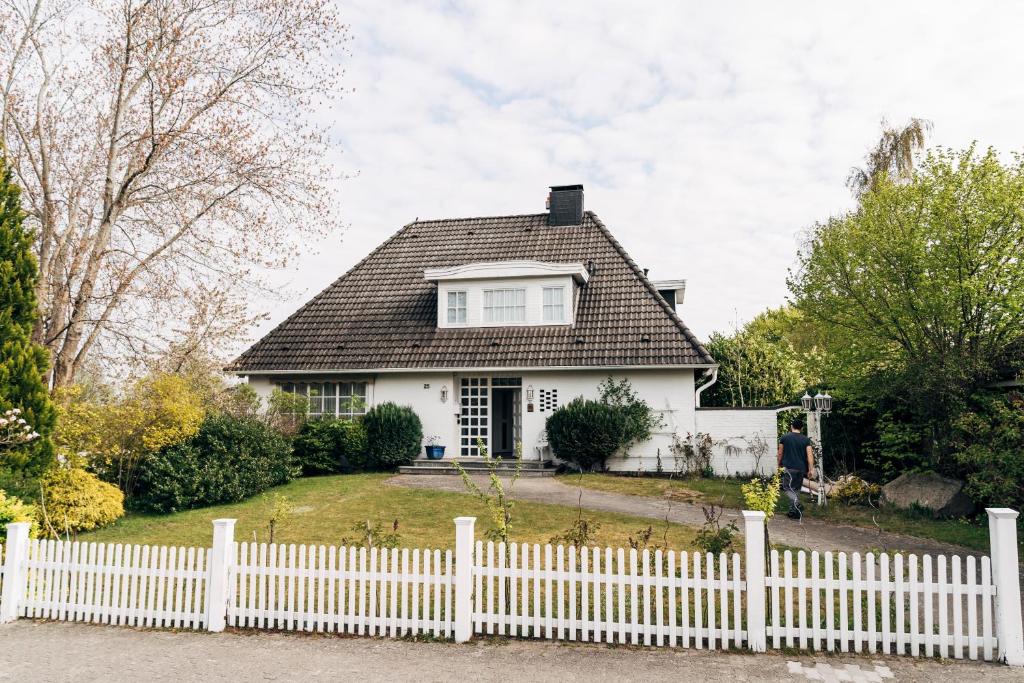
point(796, 457)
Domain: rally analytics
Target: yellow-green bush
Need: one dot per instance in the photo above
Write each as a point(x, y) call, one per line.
point(75, 500)
point(855, 491)
point(14, 510)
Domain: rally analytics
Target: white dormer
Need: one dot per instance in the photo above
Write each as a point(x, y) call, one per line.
point(507, 293)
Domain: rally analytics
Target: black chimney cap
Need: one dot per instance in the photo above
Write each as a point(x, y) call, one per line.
point(565, 205)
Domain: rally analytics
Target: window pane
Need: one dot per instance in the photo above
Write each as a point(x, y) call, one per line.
point(554, 309)
point(329, 400)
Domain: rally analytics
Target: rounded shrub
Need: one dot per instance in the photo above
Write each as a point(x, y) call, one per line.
point(74, 500)
point(228, 460)
point(393, 436)
point(585, 433)
point(328, 445)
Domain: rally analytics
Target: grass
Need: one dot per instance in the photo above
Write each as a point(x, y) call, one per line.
point(326, 508)
point(726, 492)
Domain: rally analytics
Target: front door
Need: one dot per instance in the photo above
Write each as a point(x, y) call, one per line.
point(506, 396)
point(503, 422)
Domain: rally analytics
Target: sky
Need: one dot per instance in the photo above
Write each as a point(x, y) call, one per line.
point(708, 135)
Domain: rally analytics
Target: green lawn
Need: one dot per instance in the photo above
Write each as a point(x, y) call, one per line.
point(727, 492)
point(326, 508)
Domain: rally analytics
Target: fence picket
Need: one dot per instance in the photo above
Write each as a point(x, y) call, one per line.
point(886, 610)
point(986, 609)
point(646, 591)
point(957, 608)
point(801, 574)
point(912, 598)
point(670, 579)
point(737, 622)
point(502, 567)
point(844, 586)
point(855, 603)
point(900, 606)
point(972, 608)
point(608, 596)
point(548, 614)
point(872, 627)
point(581, 579)
point(560, 581)
point(659, 611)
point(815, 602)
point(926, 576)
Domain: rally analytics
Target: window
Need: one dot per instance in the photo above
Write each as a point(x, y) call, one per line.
point(504, 305)
point(337, 399)
point(554, 305)
point(456, 307)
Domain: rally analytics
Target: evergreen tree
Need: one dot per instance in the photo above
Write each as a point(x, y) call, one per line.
point(22, 362)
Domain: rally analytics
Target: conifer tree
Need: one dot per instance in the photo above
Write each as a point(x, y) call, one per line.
point(22, 362)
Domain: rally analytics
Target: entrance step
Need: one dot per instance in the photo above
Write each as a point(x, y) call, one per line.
point(528, 468)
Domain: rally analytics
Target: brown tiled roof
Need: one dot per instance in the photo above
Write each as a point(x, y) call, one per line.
point(383, 314)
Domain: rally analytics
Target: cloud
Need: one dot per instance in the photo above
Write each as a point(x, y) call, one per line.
point(707, 135)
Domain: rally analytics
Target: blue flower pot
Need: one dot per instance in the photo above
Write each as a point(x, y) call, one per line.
point(434, 452)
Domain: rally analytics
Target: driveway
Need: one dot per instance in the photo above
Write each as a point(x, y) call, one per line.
point(809, 534)
point(59, 651)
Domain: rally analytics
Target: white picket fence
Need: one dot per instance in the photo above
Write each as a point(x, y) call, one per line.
point(606, 595)
point(896, 604)
point(375, 591)
point(104, 583)
point(883, 603)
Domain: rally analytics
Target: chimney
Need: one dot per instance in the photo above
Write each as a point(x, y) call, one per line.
point(565, 205)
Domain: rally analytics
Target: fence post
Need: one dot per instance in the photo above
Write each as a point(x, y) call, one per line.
point(753, 533)
point(1002, 534)
point(464, 539)
point(15, 560)
point(221, 558)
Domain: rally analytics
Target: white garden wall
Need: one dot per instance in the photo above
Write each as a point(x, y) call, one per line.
point(743, 439)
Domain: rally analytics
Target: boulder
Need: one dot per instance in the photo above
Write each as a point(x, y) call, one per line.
point(942, 495)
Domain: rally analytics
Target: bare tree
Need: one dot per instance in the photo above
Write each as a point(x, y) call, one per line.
point(168, 156)
point(892, 157)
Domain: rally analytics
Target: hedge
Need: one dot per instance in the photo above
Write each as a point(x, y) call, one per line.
point(230, 459)
point(329, 445)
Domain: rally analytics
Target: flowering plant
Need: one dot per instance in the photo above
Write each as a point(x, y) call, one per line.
point(14, 430)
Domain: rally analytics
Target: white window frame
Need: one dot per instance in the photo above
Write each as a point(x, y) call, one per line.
point(461, 301)
point(342, 399)
point(504, 302)
point(560, 305)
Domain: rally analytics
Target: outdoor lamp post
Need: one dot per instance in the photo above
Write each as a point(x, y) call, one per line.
point(817, 407)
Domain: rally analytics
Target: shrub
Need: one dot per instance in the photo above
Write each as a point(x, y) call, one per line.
point(989, 442)
point(328, 445)
point(229, 460)
point(393, 436)
point(13, 510)
point(585, 433)
point(855, 491)
point(640, 420)
point(74, 500)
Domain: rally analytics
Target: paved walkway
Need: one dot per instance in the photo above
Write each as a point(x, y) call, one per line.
point(58, 651)
point(810, 534)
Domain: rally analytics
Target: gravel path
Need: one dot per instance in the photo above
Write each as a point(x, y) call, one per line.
point(810, 534)
point(59, 651)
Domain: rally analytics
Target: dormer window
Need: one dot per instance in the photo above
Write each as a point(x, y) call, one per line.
point(554, 304)
point(507, 293)
point(457, 307)
point(504, 306)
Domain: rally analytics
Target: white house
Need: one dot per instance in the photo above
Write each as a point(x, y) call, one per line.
point(484, 326)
